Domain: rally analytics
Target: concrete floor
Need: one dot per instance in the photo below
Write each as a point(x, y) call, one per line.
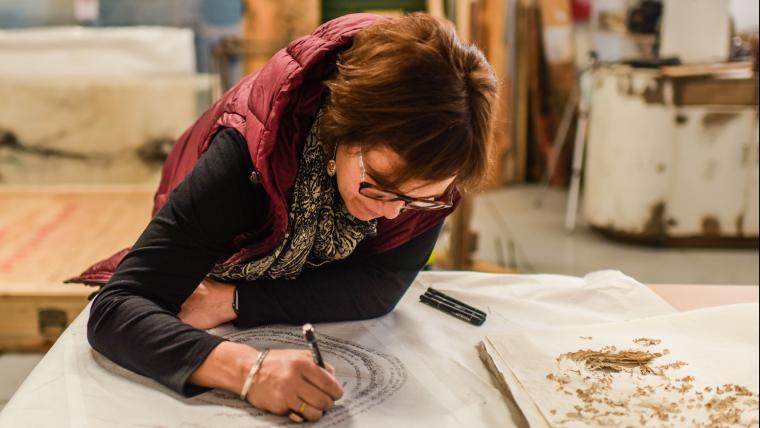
point(515, 233)
point(14, 368)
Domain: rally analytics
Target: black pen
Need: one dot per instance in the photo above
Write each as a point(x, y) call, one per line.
point(452, 305)
point(457, 305)
point(433, 291)
point(448, 308)
point(311, 339)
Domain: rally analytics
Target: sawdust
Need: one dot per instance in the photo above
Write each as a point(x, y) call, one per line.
point(655, 396)
point(609, 358)
point(673, 365)
point(646, 341)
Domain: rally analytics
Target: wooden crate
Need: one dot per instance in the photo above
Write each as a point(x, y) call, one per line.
point(33, 315)
point(48, 234)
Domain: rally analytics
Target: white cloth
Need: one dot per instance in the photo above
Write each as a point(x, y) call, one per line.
point(414, 367)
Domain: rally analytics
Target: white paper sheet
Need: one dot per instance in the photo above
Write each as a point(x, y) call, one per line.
point(719, 345)
point(426, 365)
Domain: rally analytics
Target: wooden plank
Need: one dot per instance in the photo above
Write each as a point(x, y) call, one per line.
point(520, 141)
point(483, 266)
point(492, 39)
point(463, 19)
point(541, 122)
point(77, 189)
point(269, 25)
point(43, 289)
point(558, 81)
point(436, 8)
point(460, 250)
point(706, 69)
point(698, 91)
point(33, 323)
point(49, 235)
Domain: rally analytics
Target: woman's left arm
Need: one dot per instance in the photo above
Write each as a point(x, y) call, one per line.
point(360, 287)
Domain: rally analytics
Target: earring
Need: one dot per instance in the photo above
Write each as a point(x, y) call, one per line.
point(331, 167)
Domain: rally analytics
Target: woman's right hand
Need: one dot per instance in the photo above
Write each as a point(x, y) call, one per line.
point(289, 380)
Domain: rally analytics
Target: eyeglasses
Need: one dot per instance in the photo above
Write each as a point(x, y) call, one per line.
point(374, 192)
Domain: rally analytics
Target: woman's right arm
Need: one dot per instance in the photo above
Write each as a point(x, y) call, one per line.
point(133, 321)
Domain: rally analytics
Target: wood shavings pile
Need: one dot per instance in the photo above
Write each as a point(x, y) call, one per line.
point(612, 386)
point(610, 358)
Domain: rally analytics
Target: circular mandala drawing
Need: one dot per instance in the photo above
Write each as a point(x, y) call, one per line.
point(368, 377)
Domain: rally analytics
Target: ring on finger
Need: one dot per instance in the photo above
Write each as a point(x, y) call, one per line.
point(295, 417)
point(302, 407)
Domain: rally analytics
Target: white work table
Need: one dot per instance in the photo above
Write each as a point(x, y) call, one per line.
point(414, 367)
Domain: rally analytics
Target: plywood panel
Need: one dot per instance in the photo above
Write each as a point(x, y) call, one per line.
point(48, 235)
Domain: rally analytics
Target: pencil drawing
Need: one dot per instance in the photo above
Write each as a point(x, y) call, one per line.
point(369, 377)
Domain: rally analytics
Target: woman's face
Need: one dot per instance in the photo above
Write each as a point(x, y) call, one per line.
point(379, 162)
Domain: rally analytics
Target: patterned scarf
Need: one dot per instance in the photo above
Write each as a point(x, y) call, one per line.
point(320, 228)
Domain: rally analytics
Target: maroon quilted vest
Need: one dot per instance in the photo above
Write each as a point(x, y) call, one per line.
point(274, 110)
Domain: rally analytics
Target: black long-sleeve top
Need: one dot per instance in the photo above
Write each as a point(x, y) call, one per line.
point(133, 321)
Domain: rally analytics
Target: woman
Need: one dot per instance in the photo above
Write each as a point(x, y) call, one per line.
point(312, 191)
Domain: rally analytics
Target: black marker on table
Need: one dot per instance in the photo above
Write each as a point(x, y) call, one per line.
point(451, 309)
point(464, 306)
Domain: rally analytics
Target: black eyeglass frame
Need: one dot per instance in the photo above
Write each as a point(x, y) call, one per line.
point(425, 204)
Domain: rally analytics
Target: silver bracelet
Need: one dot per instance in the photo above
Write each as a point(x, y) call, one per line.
point(251, 373)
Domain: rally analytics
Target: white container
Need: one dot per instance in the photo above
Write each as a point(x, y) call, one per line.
point(663, 167)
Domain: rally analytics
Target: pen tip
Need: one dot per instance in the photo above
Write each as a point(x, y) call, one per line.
point(308, 333)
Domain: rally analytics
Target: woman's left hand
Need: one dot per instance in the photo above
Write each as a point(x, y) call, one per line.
point(209, 306)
